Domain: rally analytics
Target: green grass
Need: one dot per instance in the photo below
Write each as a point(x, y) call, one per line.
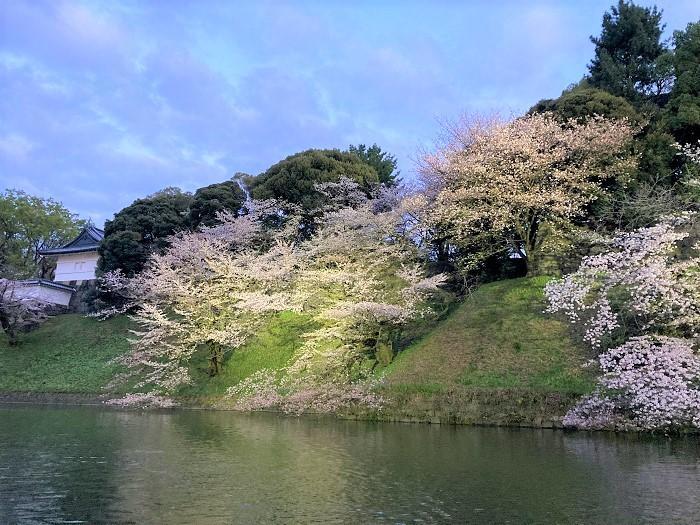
point(497, 339)
point(68, 353)
point(496, 358)
point(72, 354)
point(271, 348)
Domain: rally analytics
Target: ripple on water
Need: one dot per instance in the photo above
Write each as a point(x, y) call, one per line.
point(87, 465)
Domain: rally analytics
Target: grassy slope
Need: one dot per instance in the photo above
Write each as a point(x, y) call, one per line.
point(272, 348)
point(69, 353)
point(495, 359)
point(496, 346)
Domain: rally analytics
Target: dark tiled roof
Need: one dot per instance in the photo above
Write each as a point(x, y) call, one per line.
point(88, 241)
point(48, 284)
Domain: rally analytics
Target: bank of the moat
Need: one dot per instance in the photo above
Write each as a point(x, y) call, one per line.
point(497, 359)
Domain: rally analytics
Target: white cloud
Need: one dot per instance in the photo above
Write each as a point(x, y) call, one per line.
point(16, 147)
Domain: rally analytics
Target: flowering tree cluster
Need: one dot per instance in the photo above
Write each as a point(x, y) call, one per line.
point(649, 382)
point(358, 278)
point(638, 303)
point(692, 179)
point(208, 292)
point(690, 151)
point(363, 279)
point(637, 286)
point(17, 311)
point(505, 187)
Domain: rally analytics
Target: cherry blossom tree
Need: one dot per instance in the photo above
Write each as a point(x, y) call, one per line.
point(209, 291)
point(18, 312)
point(639, 285)
point(647, 383)
point(691, 180)
point(506, 186)
point(638, 304)
point(359, 278)
point(365, 279)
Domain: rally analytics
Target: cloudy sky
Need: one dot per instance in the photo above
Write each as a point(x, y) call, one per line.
point(104, 102)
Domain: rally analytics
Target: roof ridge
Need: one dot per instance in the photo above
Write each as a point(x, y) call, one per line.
point(88, 239)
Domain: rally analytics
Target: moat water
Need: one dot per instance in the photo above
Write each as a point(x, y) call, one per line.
point(93, 465)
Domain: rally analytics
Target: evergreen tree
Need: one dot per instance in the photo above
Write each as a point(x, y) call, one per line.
point(210, 200)
point(384, 163)
point(143, 228)
point(583, 101)
point(628, 54)
point(293, 178)
point(682, 114)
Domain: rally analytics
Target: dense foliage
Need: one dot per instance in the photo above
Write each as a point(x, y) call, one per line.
point(141, 229)
point(384, 163)
point(209, 201)
point(510, 187)
point(583, 101)
point(294, 178)
point(682, 113)
point(29, 224)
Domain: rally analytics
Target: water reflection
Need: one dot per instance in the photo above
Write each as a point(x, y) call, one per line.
point(108, 466)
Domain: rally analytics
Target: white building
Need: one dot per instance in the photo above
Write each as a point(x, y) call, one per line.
point(43, 291)
point(75, 264)
point(76, 261)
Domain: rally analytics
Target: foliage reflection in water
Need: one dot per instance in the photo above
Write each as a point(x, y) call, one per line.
point(109, 466)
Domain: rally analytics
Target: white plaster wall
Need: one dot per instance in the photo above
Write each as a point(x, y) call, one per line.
point(76, 267)
point(43, 293)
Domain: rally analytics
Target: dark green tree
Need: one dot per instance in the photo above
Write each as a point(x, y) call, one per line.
point(210, 200)
point(628, 52)
point(384, 163)
point(583, 101)
point(142, 228)
point(125, 251)
point(293, 178)
point(682, 113)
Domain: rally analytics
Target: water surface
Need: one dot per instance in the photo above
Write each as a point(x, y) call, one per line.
point(94, 465)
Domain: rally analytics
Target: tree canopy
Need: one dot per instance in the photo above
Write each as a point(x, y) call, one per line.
point(210, 200)
point(293, 178)
point(384, 163)
point(506, 187)
point(27, 225)
point(584, 101)
point(143, 228)
point(683, 110)
point(628, 50)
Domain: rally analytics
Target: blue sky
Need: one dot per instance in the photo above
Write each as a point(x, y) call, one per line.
point(105, 102)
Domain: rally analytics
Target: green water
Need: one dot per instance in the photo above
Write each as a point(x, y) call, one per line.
point(93, 465)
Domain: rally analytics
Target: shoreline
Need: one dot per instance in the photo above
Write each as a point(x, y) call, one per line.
point(435, 411)
point(393, 415)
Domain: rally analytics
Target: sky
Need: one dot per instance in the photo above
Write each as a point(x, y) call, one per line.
point(105, 102)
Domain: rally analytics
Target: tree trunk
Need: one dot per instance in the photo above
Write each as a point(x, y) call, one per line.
point(531, 265)
point(9, 329)
point(215, 358)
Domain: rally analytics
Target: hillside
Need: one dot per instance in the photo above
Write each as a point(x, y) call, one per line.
point(68, 354)
point(495, 359)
